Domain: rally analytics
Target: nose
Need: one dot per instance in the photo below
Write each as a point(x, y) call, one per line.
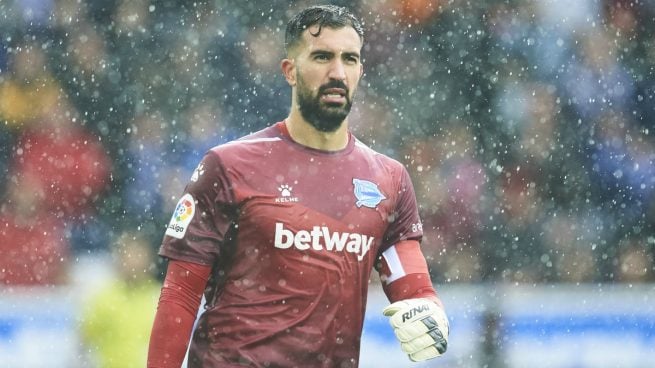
point(337, 70)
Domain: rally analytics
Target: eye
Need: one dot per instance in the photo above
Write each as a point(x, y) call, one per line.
point(352, 59)
point(321, 57)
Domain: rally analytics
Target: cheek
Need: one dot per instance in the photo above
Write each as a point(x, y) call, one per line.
point(354, 82)
point(309, 78)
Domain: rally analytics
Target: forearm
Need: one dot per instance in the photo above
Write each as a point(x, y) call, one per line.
point(176, 313)
point(405, 275)
point(416, 313)
point(411, 286)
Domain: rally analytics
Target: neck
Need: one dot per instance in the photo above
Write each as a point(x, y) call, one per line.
point(304, 133)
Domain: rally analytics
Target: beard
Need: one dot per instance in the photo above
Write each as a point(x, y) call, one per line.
point(324, 117)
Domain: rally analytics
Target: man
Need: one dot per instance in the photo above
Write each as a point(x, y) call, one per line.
point(282, 228)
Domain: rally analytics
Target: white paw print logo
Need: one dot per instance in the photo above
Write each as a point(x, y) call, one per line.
point(197, 172)
point(285, 190)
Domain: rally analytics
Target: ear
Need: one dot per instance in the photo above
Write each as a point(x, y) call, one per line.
point(289, 70)
point(361, 70)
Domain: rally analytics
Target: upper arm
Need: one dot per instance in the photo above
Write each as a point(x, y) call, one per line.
point(406, 223)
point(203, 215)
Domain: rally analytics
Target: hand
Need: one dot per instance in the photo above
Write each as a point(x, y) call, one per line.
point(421, 326)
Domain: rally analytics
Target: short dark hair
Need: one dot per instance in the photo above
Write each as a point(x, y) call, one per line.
point(331, 16)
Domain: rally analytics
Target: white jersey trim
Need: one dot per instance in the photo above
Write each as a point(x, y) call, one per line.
point(254, 140)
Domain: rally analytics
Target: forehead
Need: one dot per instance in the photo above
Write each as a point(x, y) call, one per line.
point(343, 39)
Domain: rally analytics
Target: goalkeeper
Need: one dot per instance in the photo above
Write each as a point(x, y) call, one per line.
point(281, 229)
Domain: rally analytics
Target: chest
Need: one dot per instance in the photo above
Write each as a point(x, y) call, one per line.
point(313, 205)
point(333, 190)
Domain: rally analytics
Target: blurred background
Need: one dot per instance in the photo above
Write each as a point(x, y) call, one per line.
point(525, 125)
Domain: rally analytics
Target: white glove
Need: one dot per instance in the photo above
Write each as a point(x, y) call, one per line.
point(421, 326)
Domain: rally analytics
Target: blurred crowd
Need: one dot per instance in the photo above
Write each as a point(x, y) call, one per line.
point(527, 126)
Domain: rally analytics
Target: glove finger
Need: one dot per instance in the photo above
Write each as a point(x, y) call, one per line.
point(390, 310)
point(441, 346)
point(425, 354)
point(411, 331)
point(436, 330)
point(437, 321)
point(418, 328)
point(417, 344)
point(432, 338)
point(440, 342)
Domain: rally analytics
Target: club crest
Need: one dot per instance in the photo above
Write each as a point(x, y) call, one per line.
point(367, 193)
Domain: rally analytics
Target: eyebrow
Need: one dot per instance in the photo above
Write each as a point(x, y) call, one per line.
point(326, 52)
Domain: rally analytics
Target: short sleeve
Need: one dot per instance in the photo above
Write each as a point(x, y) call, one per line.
point(405, 221)
point(203, 215)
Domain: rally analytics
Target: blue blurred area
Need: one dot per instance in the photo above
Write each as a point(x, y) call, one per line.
point(551, 327)
point(557, 333)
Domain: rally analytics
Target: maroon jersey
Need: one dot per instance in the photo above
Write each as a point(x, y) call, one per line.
point(292, 234)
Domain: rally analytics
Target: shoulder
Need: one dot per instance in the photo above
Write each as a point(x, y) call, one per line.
point(256, 141)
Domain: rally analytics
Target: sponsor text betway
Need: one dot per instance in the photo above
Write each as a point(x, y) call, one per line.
point(320, 238)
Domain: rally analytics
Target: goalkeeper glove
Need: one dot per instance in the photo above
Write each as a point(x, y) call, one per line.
point(421, 326)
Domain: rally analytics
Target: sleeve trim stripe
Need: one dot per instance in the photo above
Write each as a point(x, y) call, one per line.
point(396, 268)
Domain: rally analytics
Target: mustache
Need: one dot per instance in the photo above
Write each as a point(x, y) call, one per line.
point(333, 84)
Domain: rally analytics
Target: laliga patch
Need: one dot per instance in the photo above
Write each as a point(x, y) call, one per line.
point(367, 193)
point(182, 216)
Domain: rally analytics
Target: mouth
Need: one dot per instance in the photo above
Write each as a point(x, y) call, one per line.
point(334, 96)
